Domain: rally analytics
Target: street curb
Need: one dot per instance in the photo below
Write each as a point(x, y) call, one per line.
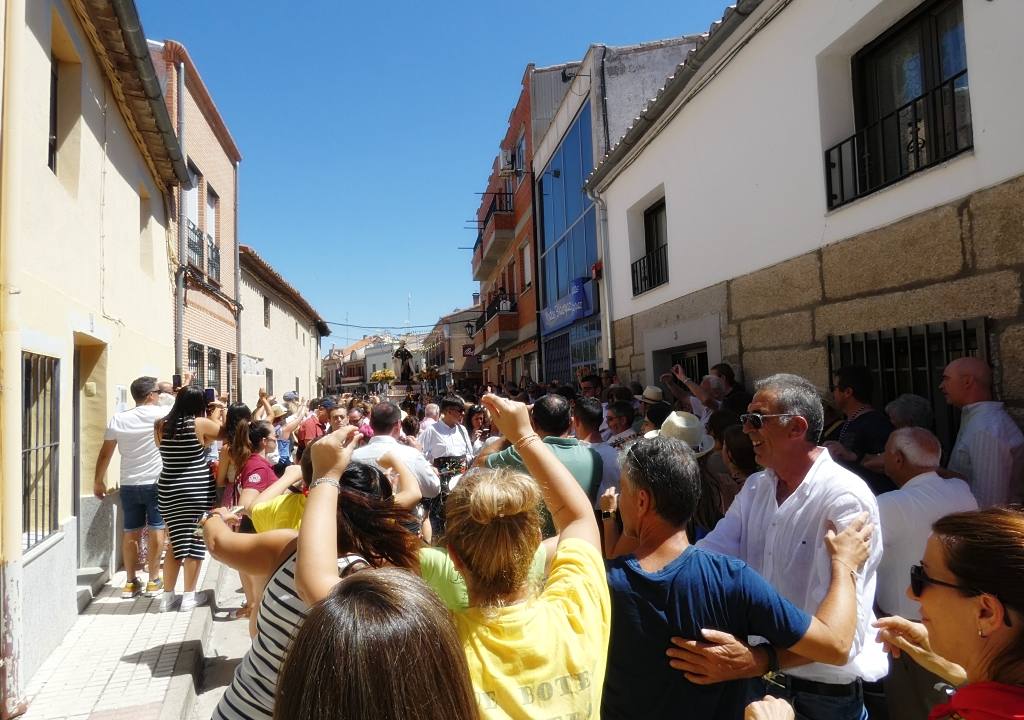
point(188, 669)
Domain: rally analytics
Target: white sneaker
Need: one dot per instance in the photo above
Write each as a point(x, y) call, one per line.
point(189, 603)
point(169, 601)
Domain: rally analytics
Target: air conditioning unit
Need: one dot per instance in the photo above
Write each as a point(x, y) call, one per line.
point(507, 165)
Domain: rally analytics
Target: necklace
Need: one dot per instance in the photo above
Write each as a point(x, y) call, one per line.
point(846, 425)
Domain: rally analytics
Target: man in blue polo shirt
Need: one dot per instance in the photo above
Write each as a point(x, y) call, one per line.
point(665, 587)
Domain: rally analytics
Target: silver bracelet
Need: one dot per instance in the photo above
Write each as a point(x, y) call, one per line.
point(326, 481)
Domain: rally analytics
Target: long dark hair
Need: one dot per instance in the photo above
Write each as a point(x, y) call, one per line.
point(248, 436)
point(471, 413)
point(236, 413)
point(402, 658)
point(189, 402)
point(369, 522)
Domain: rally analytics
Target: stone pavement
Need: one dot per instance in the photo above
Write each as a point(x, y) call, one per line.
point(125, 659)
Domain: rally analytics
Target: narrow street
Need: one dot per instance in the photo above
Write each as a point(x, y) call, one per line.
point(228, 642)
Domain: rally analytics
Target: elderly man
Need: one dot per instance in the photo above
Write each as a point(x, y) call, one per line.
point(619, 417)
point(431, 412)
point(777, 525)
point(911, 459)
point(989, 449)
point(386, 423)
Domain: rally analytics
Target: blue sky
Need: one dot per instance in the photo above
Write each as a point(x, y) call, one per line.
point(367, 130)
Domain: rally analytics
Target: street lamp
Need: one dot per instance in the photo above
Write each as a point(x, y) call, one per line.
point(469, 329)
point(451, 372)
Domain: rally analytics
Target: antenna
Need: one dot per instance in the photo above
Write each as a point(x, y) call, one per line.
point(408, 310)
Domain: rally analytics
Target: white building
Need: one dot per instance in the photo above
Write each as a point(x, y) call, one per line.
point(822, 183)
point(281, 334)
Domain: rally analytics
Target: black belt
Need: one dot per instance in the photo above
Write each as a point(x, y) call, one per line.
point(796, 684)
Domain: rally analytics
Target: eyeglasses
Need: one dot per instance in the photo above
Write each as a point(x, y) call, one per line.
point(756, 420)
point(587, 388)
point(919, 578)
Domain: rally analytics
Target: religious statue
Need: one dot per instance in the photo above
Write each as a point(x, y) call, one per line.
point(404, 369)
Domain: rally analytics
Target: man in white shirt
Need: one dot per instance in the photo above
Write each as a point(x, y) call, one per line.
point(431, 412)
point(989, 449)
point(586, 418)
point(620, 416)
point(131, 432)
point(386, 422)
point(448, 437)
point(777, 525)
point(911, 459)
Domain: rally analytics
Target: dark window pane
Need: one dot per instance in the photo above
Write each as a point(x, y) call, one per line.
point(580, 266)
point(557, 195)
point(949, 27)
point(572, 173)
point(562, 261)
point(547, 195)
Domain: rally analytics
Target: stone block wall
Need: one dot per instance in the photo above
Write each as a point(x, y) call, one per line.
point(957, 261)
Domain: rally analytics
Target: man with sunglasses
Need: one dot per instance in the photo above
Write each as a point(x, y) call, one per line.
point(777, 525)
point(911, 460)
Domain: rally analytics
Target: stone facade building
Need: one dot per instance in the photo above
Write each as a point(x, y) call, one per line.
point(888, 233)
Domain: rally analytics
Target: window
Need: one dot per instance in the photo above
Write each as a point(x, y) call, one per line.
point(651, 270)
point(231, 377)
point(525, 268)
point(520, 158)
point(266, 312)
point(195, 363)
point(213, 369)
point(270, 382)
point(568, 229)
point(212, 244)
point(911, 102)
point(40, 447)
point(911, 360)
point(296, 329)
point(51, 158)
point(296, 384)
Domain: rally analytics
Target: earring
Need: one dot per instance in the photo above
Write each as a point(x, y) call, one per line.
point(981, 634)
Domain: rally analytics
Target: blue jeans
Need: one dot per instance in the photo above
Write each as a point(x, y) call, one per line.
point(813, 706)
point(138, 503)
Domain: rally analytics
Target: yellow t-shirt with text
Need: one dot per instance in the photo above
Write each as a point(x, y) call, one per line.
point(545, 658)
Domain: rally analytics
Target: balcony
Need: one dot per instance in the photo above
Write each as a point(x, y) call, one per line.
point(651, 270)
point(194, 240)
point(497, 233)
point(501, 324)
point(928, 130)
point(478, 252)
point(212, 260)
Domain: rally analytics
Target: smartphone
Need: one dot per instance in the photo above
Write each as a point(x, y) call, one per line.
point(176, 381)
point(211, 395)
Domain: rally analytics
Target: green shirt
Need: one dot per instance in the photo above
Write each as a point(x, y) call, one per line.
point(582, 462)
point(438, 571)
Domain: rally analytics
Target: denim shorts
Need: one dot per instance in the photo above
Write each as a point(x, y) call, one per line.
point(138, 503)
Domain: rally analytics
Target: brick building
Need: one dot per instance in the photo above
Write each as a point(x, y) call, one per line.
point(505, 253)
point(204, 231)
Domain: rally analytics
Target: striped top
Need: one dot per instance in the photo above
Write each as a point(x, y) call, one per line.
point(251, 693)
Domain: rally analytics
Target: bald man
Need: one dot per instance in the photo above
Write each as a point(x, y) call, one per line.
point(989, 449)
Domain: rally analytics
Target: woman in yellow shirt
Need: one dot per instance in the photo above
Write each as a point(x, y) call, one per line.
point(532, 652)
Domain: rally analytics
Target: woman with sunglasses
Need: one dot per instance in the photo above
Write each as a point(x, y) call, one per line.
point(475, 422)
point(970, 584)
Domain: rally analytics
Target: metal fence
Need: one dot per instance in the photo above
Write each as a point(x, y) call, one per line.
point(212, 259)
point(911, 360)
point(40, 447)
point(651, 270)
point(929, 129)
point(195, 245)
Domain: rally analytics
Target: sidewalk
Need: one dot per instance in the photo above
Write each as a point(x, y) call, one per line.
point(125, 659)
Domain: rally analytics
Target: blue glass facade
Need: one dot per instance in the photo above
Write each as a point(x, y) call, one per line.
point(568, 249)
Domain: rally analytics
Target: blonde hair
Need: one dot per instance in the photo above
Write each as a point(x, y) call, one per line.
point(494, 526)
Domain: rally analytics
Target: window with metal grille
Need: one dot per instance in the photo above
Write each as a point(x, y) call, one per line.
point(195, 363)
point(213, 369)
point(270, 382)
point(40, 447)
point(231, 377)
point(51, 158)
point(911, 360)
point(912, 104)
point(557, 362)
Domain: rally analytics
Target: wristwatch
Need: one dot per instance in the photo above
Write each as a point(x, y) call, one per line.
point(606, 514)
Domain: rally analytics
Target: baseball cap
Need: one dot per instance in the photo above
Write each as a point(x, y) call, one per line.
point(328, 404)
point(290, 396)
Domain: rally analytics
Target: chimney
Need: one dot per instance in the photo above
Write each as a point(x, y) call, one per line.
point(476, 298)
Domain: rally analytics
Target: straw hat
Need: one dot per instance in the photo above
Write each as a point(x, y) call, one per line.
point(688, 428)
point(278, 410)
point(651, 395)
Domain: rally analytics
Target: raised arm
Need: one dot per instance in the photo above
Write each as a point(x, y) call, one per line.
point(407, 491)
point(250, 553)
point(316, 567)
point(569, 506)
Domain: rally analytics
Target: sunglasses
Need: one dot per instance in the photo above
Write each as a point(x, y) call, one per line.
point(756, 420)
point(919, 578)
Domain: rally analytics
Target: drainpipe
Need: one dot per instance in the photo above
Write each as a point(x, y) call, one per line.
point(179, 275)
point(238, 298)
point(603, 289)
point(12, 199)
point(535, 264)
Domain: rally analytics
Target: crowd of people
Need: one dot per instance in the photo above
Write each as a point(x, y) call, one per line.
point(686, 549)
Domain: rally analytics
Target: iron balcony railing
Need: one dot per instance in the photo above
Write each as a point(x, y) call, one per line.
point(480, 322)
point(213, 260)
point(651, 270)
point(927, 130)
point(501, 303)
point(195, 245)
point(500, 202)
